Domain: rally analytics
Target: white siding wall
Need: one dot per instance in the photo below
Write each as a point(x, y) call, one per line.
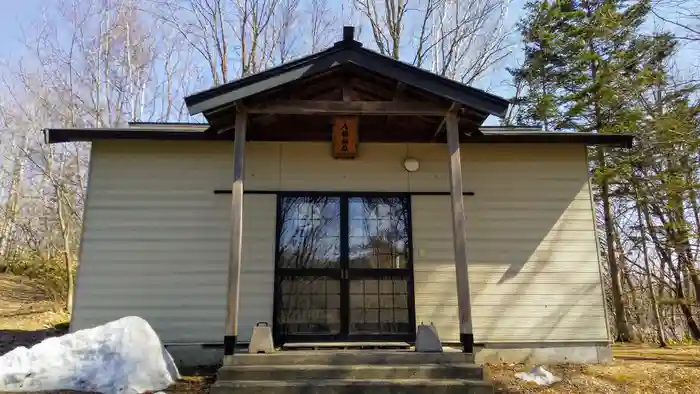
point(533, 263)
point(156, 241)
point(156, 237)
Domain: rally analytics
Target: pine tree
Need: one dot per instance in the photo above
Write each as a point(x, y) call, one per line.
point(541, 66)
point(582, 62)
point(661, 174)
point(666, 166)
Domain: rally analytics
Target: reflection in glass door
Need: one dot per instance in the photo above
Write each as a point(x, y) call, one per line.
point(308, 267)
point(343, 268)
point(379, 269)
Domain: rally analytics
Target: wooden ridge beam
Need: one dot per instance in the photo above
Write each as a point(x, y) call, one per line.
point(322, 107)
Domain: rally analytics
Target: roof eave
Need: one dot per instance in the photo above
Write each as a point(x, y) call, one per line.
point(589, 139)
point(52, 136)
point(196, 102)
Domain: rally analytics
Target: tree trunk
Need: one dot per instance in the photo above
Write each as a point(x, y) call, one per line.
point(647, 273)
point(681, 243)
point(67, 255)
point(666, 260)
point(623, 332)
point(64, 223)
point(685, 309)
point(692, 274)
point(12, 206)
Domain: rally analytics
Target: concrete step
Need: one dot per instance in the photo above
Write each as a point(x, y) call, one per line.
point(358, 372)
point(353, 386)
point(350, 357)
point(345, 345)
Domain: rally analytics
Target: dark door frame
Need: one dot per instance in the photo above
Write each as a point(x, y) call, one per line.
point(344, 274)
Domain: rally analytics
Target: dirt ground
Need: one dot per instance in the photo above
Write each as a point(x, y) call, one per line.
point(27, 316)
point(635, 369)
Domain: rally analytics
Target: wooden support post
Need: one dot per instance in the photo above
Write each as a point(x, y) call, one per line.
point(235, 259)
point(459, 234)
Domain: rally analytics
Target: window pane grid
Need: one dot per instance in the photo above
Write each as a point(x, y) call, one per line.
point(379, 306)
point(310, 305)
point(333, 235)
point(378, 235)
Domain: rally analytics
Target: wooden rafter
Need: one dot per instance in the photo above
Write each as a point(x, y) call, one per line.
point(322, 107)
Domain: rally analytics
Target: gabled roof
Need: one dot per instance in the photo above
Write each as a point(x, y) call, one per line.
point(346, 52)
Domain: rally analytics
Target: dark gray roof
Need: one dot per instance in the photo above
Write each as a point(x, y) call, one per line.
point(346, 52)
point(198, 133)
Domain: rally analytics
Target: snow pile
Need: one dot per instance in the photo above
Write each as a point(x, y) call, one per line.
point(538, 375)
point(123, 356)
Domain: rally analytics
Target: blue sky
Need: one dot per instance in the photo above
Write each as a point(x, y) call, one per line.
point(19, 15)
point(13, 18)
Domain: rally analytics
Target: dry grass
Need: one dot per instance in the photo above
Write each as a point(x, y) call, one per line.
point(197, 381)
point(27, 316)
point(635, 369)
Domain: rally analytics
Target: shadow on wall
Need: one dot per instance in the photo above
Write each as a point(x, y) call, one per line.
point(533, 261)
point(533, 265)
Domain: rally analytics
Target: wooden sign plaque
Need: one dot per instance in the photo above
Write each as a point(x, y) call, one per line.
point(345, 137)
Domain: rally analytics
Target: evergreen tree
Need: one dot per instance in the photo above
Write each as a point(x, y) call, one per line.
point(664, 170)
point(583, 61)
point(541, 66)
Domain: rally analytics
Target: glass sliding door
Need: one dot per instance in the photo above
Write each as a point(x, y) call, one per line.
point(379, 269)
point(343, 269)
point(308, 267)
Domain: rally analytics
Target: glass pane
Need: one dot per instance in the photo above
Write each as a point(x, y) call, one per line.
point(310, 233)
point(378, 231)
point(310, 306)
point(375, 310)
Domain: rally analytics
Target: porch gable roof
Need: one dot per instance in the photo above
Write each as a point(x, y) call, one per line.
point(347, 52)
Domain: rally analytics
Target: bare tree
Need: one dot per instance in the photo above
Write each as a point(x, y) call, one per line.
point(321, 20)
point(99, 75)
point(459, 40)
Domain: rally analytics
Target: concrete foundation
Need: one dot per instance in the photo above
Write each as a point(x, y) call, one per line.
point(187, 356)
point(544, 353)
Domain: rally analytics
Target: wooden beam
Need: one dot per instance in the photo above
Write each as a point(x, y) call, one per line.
point(400, 89)
point(459, 233)
point(375, 89)
point(320, 107)
point(453, 109)
point(347, 93)
point(235, 257)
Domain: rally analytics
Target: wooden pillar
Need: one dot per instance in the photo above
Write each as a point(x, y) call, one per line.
point(235, 259)
point(459, 232)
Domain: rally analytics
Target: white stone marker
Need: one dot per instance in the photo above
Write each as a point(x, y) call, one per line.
point(427, 339)
point(261, 339)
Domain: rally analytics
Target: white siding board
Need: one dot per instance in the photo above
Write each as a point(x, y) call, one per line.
point(258, 267)
point(432, 176)
point(156, 238)
point(533, 263)
point(262, 167)
point(310, 166)
point(435, 294)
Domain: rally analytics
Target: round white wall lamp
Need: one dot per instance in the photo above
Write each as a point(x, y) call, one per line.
point(411, 164)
